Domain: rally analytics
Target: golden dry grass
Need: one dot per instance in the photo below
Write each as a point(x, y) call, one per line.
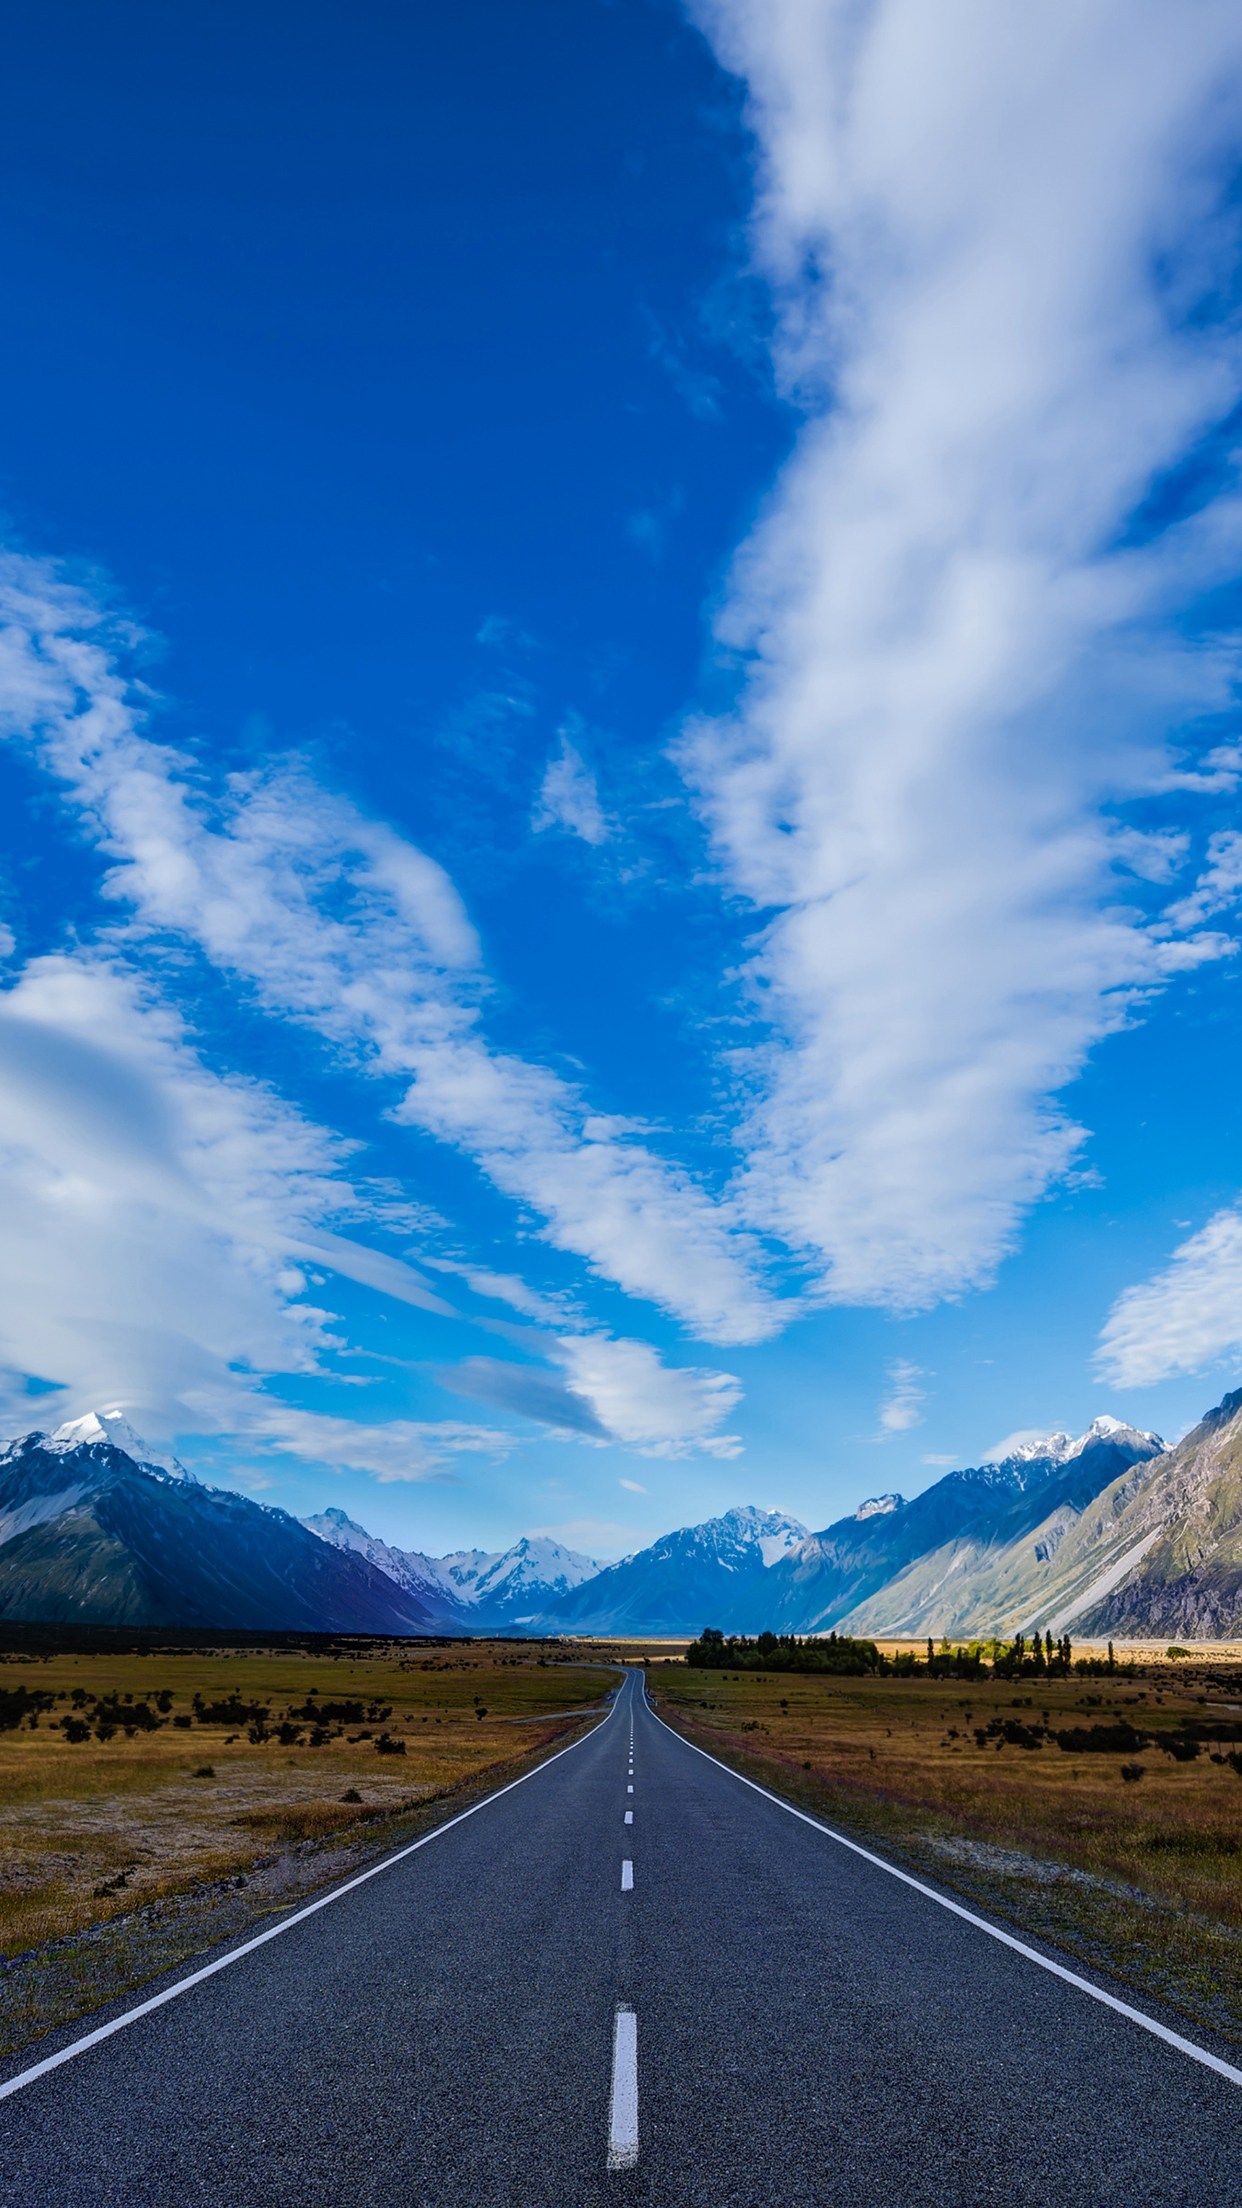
point(908, 1746)
point(89, 1830)
point(1143, 1876)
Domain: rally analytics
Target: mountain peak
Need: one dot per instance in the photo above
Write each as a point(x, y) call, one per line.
point(879, 1506)
point(1108, 1428)
point(111, 1426)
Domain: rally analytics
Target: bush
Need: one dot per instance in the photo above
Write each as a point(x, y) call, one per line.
point(1131, 1771)
point(19, 1703)
point(1118, 1739)
point(231, 1710)
point(1183, 1747)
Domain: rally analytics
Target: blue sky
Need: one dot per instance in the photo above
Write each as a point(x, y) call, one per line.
point(619, 840)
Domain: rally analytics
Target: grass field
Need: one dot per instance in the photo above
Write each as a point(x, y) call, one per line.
point(1141, 1875)
point(136, 1776)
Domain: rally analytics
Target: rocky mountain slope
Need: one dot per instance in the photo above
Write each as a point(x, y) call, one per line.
point(505, 1590)
point(1105, 1532)
point(1164, 1547)
point(89, 1534)
point(977, 1552)
point(721, 1570)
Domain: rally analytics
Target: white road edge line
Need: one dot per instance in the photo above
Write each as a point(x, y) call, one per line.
point(956, 1908)
point(623, 2104)
point(273, 1932)
point(627, 1877)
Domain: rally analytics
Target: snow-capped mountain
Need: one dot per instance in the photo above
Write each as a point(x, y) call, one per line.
point(507, 1588)
point(527, 1581)
point(1059, 1448)
point(113, 1425)
point(95, 1534)
point(923, 1564)
point(1104, 1530)
point(419, 1575)
point(717, 1572)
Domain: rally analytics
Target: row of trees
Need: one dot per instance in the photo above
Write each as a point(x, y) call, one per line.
point(1022, 1658)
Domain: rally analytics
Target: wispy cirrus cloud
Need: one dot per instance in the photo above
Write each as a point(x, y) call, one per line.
point(333, 920)
point(164, 1225)
point(902, 1405)
point(569, 795)
point(604, 1388)
point(1186, 1318)
point(967, 634)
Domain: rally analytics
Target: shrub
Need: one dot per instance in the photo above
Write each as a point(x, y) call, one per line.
point(1183, 1747)
point(1131, 1771)
point(19, 1703)
point(1117, 1739)
point(231, 1710)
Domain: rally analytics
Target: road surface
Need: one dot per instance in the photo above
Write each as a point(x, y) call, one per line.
point(679, 1996)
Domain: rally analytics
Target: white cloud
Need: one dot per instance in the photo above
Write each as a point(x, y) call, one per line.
point(506, 1288)
point(902, 1407)
point(334, 921)
point(157, 1217)
point(989, 230)
point(1186, 1317)
point(660, 1410)
point(601, 1388)
point(632, 1487)
point(569, 796)
point(389, 1449)
point(1219, 885)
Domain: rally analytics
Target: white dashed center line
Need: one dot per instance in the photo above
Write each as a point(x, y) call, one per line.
point(629, 1790)
point(623, 2112)
point(627, 1877)
point(629, 1816)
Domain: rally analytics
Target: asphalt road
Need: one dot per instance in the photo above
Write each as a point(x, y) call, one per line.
point(752, 2017)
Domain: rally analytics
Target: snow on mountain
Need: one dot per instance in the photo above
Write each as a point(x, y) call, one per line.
point(529, 1575)
point(879, 1506)
point(418, 1575)
point(94, 1533)
point(113, 1427)
point(507, 1586)
point(1059, 1448)
point(713, 1573)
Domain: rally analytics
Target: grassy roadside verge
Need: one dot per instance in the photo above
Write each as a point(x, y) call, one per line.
point(1141, 1880)
point(286, 1846)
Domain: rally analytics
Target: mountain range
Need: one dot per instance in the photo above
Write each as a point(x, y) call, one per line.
point(1106, 1532)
